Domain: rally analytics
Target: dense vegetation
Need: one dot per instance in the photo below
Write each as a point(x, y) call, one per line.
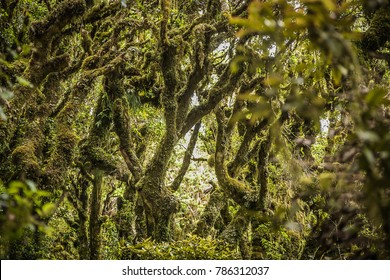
point(195, 129)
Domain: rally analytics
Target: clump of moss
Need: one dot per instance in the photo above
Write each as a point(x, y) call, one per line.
point(24, 157)
point(62, 155)
point(67, 141)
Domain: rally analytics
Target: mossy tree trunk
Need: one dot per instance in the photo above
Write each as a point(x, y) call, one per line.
point(83, 208)
point(211, 213)
point(76, 46)
point(95, 221)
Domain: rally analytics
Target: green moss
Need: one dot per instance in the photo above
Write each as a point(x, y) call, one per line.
point(99, 158)
point(61, 156)
point(66, 142)
point(24, 158)
point(26, 155)
point(90, 62)
point(276, 243)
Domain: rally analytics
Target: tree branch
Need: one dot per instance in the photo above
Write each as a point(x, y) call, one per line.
point(203, 33)
point(187, 158)
point(122, 129)
point(225, 86)
point(235, 189)
point(243, 152)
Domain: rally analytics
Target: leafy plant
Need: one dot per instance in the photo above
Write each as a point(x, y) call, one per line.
point(23, 208)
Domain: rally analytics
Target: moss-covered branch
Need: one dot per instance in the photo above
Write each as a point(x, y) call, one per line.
point(235, 189)
point(168, 64)
point(122, 129)
point(203, 33)
point(95, 223)
point(226, 85)
point(211, 213)
point(244, 151)
point(57, 19)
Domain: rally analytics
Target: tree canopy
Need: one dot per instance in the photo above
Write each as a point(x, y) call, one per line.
point(215, 129)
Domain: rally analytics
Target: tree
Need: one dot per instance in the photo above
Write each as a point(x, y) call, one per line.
point(271, 92)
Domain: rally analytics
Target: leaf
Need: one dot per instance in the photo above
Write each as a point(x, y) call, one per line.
point(6, 93)
point(48, 209)
point(273, 80)
point(31, 185)
point(26, 49)
point(329, 4)
point(369, 155)
point(235, 66)
point(43, 193)
point(15, 187)
point(368, 136)
point(2, 115)
point(375, 97)
point(4, 62)
point(342, 69)
point(23, 82)
point(326, 180)
point(249, 97)
point(238, 21)
point(124, 3)
point(336, 76)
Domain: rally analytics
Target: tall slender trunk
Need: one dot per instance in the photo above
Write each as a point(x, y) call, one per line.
point(95, 217)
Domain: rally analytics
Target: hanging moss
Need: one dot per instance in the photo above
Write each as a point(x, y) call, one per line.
point(122, 129)
point(94, 147)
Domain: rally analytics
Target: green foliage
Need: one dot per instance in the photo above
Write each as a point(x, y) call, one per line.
point(190, 248)
point(23, 207)
point(279, 243)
